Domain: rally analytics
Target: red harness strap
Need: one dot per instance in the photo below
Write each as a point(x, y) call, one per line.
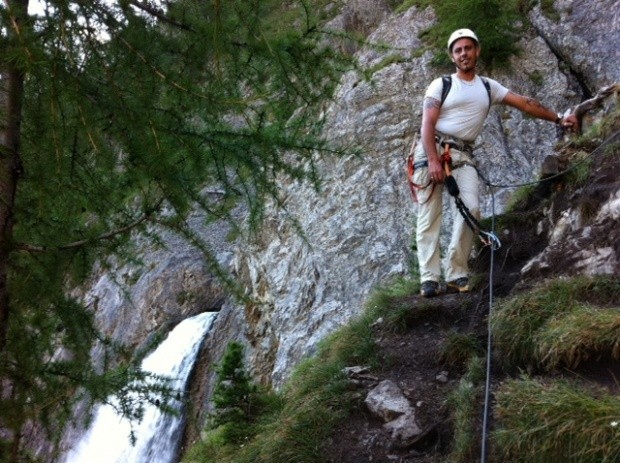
point(414, 186)
point(446, 160)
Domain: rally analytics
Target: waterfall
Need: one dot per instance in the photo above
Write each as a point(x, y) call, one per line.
point(158, 434)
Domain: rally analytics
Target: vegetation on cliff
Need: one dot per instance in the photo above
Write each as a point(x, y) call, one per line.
point(555, 353)
point(568, 412)
point(115, 116)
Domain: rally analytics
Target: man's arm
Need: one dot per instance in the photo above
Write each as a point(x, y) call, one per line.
point(536, 109)
point(430, 114)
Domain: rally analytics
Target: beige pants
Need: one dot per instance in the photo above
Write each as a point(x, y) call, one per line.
point(429, 219)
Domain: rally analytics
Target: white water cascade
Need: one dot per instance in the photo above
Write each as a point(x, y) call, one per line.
point(157, 435)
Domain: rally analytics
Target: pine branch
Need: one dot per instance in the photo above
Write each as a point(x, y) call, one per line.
point(77, 244)
point(144, 6)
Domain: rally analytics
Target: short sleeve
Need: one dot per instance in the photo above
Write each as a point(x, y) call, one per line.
point(498, 91)
point(434, 89)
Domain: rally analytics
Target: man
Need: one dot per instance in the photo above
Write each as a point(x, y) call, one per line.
point(457, 121)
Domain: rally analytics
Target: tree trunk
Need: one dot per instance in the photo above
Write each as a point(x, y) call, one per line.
point(11, 99)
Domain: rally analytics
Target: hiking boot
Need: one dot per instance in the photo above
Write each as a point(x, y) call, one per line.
point(429, 288)
point(460, 285)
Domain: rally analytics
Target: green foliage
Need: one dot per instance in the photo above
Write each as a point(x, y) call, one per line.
point(583, 162)
point(405, 5)
point(523, 326)
point(128, 113)
point(385, 62)
point(549, 10)
point(233, 394)
point(464, 401)
point(459, 349)
point(580, 171)
point(295, 425)
point(530, 419)
point(496, 24)
point(520, 197)
point(352, 344)
point(587, 333)
point(541, 422)
point(393, 302)
point(537, 77)
point(391, 295)
point(610, 124)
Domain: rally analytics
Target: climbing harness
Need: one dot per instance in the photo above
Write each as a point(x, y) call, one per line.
point(414, 187)
point(411, 165)
point(487, 238)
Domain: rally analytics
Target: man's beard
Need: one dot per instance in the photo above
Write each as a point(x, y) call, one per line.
point(468, 66)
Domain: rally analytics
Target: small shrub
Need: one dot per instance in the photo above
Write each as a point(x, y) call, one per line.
point(233, 395)
point(458, 350)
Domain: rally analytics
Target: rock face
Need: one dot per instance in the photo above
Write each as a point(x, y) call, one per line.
point(387, 402)
point(358, 227)
point(584, 34)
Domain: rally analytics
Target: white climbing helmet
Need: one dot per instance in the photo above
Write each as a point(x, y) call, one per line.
point(461, 34)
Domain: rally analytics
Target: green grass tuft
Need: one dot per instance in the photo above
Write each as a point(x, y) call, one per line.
point(520, 197)
point(459, 349)
point(556, 422)
point(519, 325)
point(584, 334)
point(465, 401)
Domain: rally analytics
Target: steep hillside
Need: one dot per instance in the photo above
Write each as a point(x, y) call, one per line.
point(409, 384)
point(357, 230)
point(569, 355)
point(358, 227)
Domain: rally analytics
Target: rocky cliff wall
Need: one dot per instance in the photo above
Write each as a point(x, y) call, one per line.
point(358, 228)
point(360, 225)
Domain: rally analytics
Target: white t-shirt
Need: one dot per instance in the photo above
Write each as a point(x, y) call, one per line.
point(466, 106)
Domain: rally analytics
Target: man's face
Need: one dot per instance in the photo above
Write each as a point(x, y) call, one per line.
point(464, 54)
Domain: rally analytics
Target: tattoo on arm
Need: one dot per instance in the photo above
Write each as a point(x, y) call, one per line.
point(431, 103)
point(532, 102)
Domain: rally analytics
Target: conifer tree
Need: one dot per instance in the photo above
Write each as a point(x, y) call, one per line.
point(114, 116)
point(233, 391)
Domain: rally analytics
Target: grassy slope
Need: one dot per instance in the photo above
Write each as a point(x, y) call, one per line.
point(556, 398)
point(541, 413)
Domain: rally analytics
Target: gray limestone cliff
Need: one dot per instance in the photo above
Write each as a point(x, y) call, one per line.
point(358, 227)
